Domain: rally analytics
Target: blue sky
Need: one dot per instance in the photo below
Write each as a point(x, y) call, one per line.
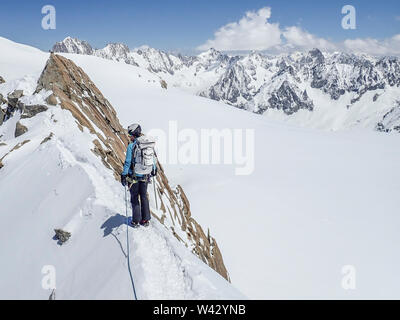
point(186, 24)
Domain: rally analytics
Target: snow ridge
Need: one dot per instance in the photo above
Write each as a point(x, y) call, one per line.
point(67, 185)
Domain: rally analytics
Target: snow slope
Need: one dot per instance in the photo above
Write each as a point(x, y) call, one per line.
point(316, 202)
point(61, 183)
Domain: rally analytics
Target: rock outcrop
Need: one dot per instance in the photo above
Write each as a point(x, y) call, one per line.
point(48, 138)
point(2, 80)
point(14, 97)
point(2, 115)
point(62, 236)
point(391, 120)
point(2, 112)
point(13, 104)
point(30, 111)
point(16, 147)
point(77, 93)
point(20, 129)
point(74, 91)
point(164, 84)
point(2, 100)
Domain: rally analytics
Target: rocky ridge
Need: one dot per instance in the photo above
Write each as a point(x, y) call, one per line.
point(71, 89)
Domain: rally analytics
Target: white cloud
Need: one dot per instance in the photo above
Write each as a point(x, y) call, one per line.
point(252, 32)
point(299, 38)
point(396, 39)
point(374, 46)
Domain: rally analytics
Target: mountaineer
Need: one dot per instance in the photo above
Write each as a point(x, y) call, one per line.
point(139, 167)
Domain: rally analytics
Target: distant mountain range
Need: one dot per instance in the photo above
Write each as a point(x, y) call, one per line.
point(325, 90)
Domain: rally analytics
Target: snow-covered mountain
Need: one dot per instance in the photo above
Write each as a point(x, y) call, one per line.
point(61, 152)
point(325, 90)
point(73, 45)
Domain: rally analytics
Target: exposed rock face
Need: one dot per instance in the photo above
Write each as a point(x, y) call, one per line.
point(62, 236)
point(52, 100)
point(116, 51)
point(176, 209)
point(31, 111)
point(48, 138)
point(12, 105)
point(14, 97)
point(78, 94)
point(20, 129)
point(289, 99)
point(234, 87)
point(164, 84)
point(2, 114)
point(2, 80)
point(27, 111)
point(16, 147)
point(2, 100)
point(391, 120)
point(72, 45)
point(156, 60)
point(390, 67)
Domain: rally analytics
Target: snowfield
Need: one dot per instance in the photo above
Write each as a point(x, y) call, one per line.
point(316, 202)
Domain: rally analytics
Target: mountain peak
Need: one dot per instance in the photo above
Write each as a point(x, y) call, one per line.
point(213, 52)
point(117, 45)
point(316, 55)
point(114, 51)
point(73, 45)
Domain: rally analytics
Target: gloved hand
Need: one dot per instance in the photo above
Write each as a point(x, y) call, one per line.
point(123, 180)
point(154, 172)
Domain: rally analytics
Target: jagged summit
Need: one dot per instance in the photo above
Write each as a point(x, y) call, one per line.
point(74, 91)
point(256, 82)
point(73, 45)
point(211, 52)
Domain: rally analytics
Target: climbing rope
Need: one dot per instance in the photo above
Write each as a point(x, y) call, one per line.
point(127, 244)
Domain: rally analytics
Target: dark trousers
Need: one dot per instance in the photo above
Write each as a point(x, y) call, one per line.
point(140, 210)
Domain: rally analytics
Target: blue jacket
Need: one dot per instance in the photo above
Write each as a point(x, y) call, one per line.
point(128, 161)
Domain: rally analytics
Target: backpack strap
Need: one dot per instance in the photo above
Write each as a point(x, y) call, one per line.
point(133, 156)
